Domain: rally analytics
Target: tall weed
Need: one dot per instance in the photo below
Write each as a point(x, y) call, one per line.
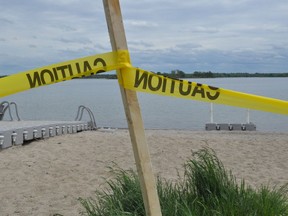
point(206, 189)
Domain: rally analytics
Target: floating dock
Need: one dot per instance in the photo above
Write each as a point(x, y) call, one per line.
point(248, 126)
point(230, 127)
point(19, 132)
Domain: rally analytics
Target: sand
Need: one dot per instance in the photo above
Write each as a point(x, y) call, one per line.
point(46, 177)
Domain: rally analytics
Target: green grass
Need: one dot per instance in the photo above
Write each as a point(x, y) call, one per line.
point(206, 189)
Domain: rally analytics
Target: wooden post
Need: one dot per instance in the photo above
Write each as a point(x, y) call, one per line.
point(248, 116)
point(133, 114)
point(211, 113)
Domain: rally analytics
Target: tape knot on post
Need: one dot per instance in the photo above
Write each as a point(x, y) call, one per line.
point(123, 59)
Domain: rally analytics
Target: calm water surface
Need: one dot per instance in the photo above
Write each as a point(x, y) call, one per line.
point(60, 102)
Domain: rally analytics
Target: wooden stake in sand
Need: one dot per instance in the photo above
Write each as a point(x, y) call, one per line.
point(133, 114)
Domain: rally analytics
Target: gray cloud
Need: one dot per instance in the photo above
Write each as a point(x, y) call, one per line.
point(4, 21)
point(32, 46)
point(220, 35)
point(213, 60)
point(74, 40)
point(140, 24)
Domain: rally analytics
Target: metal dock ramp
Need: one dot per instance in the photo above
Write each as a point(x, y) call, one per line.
point(19, 132)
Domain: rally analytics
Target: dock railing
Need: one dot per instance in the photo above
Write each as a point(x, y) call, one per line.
point(4, 106)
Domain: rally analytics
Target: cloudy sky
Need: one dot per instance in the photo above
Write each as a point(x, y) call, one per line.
point(163, 35)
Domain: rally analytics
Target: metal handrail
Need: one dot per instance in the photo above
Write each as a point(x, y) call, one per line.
point(79, 116)
point(80, 109)
point(6, 105)
point(16, 110)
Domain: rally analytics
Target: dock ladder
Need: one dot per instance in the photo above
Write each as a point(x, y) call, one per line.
point(92, 124)
point(4, 106)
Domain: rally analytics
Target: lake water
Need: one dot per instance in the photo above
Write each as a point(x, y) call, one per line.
point(60, 102)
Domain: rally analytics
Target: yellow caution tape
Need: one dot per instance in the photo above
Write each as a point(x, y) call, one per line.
point(63, 71)
point(138, 80)
point(144, 81)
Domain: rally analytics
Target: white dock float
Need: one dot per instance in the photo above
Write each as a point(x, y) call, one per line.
point(248, 126)
point(19, 132)
point(230, 127)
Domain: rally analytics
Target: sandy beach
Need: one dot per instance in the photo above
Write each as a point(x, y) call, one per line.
point(46, 177)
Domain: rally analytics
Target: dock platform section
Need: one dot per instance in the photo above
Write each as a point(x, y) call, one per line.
point(230, 127)
point(19, 132)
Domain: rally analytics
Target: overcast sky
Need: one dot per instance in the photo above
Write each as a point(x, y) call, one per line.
point(162, 35)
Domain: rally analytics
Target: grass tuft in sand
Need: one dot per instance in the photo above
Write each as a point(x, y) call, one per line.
point(205, 189)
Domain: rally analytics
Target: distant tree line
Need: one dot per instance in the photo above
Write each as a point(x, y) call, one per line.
point(198, 74)
point(209, 74)
point(101, 76)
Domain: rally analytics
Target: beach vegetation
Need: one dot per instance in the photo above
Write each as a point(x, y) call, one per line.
point(206, 189)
